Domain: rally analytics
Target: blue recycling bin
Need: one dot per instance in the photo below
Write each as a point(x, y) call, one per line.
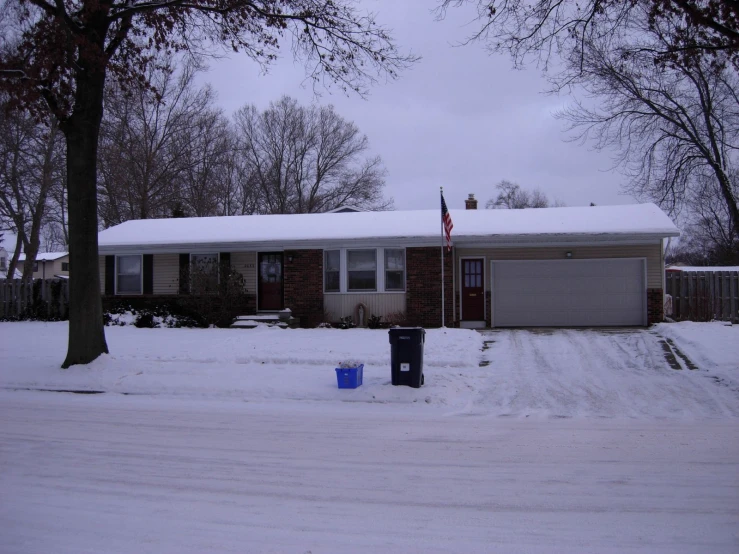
point(350, 377)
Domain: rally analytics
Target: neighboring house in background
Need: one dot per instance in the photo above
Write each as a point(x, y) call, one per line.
point(5, 262)
point(588, 266)
point(49, 265)
point(345, 209)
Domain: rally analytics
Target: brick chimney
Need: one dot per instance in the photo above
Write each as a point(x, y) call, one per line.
point(470, 203)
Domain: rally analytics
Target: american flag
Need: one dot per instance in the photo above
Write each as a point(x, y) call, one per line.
point(446, 219)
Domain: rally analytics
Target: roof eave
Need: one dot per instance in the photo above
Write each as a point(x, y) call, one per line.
point(460, 241)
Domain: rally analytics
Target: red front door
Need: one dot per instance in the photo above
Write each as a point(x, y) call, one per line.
point(473, 291)
point(270, 281)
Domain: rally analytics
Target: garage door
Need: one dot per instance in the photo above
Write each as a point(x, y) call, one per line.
point(569, 293)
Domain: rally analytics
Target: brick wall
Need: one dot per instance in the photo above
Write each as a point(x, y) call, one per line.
point(655, 306)
point(423, 287)
point(303, 282)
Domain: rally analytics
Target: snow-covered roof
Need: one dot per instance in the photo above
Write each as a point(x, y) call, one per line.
point(420, 227)
point(345, 209)
point(45, 256)
point(703, 268)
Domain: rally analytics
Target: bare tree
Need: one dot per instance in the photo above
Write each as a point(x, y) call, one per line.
point(512, 197)
point(145, 142)
point(207, 150)
point(56, 229)
point(540, 28)
point(676, 126)
point(31, 162)
point(708, 232)
point(307, 159)
point(63, 51)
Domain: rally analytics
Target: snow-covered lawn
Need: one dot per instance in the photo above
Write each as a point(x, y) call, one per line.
point(539, 441)
point(512, 373)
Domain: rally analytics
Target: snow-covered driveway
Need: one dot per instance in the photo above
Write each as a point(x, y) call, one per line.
point(111, 473)
point(612, 373)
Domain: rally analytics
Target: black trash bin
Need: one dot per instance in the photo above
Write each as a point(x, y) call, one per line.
point(406, 355)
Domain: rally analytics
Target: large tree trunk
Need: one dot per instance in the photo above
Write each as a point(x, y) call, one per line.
point(81, 130)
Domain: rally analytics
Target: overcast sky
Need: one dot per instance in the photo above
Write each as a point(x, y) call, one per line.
point(460, 118)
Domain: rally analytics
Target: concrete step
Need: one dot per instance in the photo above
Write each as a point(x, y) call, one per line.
point(252, 321)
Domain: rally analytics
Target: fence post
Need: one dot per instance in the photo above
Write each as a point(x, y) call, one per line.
point(732, 296)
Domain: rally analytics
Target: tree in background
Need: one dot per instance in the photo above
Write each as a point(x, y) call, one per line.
point(512, 197)
point(146, 142)
point(205, 176)
point(31, 166)
point(307, 159)
point(661, 76)
point(675, 125)
point(56, 229)
point(541, 28)
point(62, 52)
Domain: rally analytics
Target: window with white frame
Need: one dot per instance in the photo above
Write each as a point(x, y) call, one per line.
point(364, 270)
point(332, 270)
point(395, 269)
point(361, 270)
point(128, 274)
point(204, 273)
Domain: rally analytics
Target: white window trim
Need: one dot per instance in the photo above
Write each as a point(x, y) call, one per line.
point(377, 280)
point(379, 271)
point(324, 271)
point(385, 270)
point(141, 275)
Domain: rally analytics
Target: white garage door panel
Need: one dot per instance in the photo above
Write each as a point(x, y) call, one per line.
point(569, 293)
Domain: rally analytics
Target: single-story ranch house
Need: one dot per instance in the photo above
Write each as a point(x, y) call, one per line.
point(580, 266)
point(48, 265)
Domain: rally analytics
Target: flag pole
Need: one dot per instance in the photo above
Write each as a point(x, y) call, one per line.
point(441, 197)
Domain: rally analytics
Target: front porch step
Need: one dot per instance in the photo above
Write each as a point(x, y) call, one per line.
point(269, 319)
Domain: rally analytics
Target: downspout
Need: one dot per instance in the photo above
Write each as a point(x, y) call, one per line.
point(664, 277)
point(454, 285)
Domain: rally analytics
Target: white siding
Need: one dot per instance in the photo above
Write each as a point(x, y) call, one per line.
point(382, 304)
point(246, 264)
point(166, 274)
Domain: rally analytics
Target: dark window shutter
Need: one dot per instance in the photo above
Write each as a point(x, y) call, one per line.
point(148, 273)
point(184, 273)
point(225, 258)
point(110, 275)
point(225, 266)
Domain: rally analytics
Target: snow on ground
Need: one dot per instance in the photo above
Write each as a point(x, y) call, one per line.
point(713, 345)
point(616, 373)
point(610, 373)
point(534, 441)
point(110, 473)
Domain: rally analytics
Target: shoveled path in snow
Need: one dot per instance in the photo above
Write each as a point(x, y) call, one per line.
point(139, 474)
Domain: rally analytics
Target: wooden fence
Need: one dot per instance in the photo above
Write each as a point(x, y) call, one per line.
point(704, 295)
point(37, 299)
